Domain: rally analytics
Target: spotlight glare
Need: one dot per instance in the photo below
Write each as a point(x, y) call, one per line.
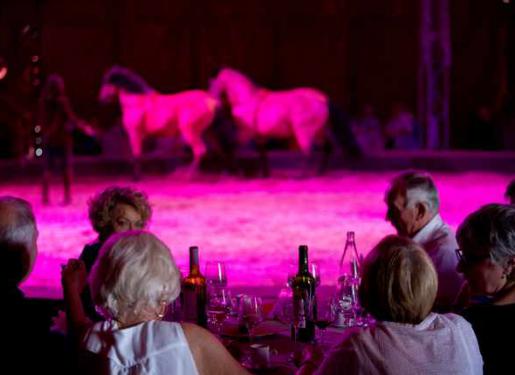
point(39, 152)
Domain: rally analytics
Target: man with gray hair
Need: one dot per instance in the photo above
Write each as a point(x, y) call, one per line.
point(413, 209)
point(25, 331)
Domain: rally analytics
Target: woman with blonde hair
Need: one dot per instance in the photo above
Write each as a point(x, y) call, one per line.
point(398, 289)
point(133, 281)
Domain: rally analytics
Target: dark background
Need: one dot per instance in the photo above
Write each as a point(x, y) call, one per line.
point(357, 51)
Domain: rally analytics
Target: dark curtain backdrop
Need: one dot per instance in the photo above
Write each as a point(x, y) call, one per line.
point(357, 51)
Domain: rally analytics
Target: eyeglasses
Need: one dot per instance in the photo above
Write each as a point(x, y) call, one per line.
point(469, 258)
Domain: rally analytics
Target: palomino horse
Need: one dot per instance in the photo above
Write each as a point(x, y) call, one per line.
point(302, 113)
point(147, 112)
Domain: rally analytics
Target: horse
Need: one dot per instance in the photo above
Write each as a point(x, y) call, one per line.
point(148, 112)
point(302, 113)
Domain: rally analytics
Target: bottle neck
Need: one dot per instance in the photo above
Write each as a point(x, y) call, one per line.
point(303, 260)
point(194, 262)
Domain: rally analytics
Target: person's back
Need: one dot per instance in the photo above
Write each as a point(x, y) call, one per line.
point(153, 347)
point(440, 344)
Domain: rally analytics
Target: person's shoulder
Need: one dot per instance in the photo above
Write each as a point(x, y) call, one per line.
point(196, 334)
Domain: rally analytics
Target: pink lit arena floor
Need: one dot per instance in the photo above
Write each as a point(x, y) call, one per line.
point(254, 226)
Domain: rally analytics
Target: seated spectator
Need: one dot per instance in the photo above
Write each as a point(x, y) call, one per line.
point(398, 289)
point(487, 259)
point(367, 130)
point(510, 192)
point(132, 282)
point(115, 209)
point(28, 344)
point(414, 210)
point(402, 130)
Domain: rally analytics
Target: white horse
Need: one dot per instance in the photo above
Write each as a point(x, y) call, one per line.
point(147, 112)
point(301, 113)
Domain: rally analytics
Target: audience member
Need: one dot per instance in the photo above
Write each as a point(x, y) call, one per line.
point(402, 130)
point(132, 282)
point(115, 209)
point(487, 259)
point(28, 345)
point(367, 130)
point(398, 289)
point(413, 209)
point(510, 192)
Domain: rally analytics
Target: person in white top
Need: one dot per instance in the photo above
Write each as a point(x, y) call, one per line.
point(133, 281)
point(398, 289)
point(413, 209)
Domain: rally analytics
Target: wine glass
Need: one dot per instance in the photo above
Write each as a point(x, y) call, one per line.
point(218, 307)
point(315, 271)
point(215, 274)
point(325, 317)
point(251, 313)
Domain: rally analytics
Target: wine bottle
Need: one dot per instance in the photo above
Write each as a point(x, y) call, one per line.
point(194, 292)
point(304, 299)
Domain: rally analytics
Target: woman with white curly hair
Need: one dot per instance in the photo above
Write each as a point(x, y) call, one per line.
point(133, 281)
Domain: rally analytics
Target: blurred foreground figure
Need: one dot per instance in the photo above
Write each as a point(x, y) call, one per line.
point(133, 281)
point(398, 289)
point(487, 259)
point(28, 346)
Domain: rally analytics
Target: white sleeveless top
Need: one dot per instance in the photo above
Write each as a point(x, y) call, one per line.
point(153, 347)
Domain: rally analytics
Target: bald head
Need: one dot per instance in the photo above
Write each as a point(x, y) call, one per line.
point(18, 234)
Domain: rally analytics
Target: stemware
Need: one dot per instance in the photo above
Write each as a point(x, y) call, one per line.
point(215, 274)
point(218, 308)
point(251, 313)
point(315, 271)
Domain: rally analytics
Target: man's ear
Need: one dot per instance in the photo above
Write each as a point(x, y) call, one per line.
point(510, 266)
point(421, 210)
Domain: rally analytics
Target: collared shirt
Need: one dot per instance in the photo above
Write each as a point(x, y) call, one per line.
point(440, 344)
point(438, 239)
point(153, 347)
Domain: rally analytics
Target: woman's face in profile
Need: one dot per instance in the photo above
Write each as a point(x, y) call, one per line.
point(126, 217)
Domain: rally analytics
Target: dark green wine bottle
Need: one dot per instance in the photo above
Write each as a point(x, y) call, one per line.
point(304, 300)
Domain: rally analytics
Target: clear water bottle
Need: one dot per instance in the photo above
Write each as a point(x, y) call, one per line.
point(345, 304)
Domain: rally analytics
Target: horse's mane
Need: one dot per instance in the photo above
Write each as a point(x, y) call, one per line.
point(127, 80)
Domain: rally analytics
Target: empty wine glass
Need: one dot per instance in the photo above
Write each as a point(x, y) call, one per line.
point(251, 313)
point(215, 274)
point(315, 271)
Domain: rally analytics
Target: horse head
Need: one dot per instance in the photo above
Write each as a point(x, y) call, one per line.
point(232, 85)
point(119, 78)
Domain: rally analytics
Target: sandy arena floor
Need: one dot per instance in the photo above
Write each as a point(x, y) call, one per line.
point(255, 226)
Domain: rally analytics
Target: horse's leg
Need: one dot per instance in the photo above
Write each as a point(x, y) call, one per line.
point(135, 140)
point(192, 133)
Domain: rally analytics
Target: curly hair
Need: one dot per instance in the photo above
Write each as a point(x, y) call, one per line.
point(101, 207)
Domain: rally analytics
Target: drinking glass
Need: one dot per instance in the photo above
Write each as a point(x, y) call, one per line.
point(215, 274)
point(251, 313)
point(315, 271)
point(325, 318)
point(218, 307)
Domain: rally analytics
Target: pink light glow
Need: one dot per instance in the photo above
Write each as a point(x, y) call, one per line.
point(255, 226)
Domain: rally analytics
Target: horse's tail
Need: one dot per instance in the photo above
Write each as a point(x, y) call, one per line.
point(340, 131)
